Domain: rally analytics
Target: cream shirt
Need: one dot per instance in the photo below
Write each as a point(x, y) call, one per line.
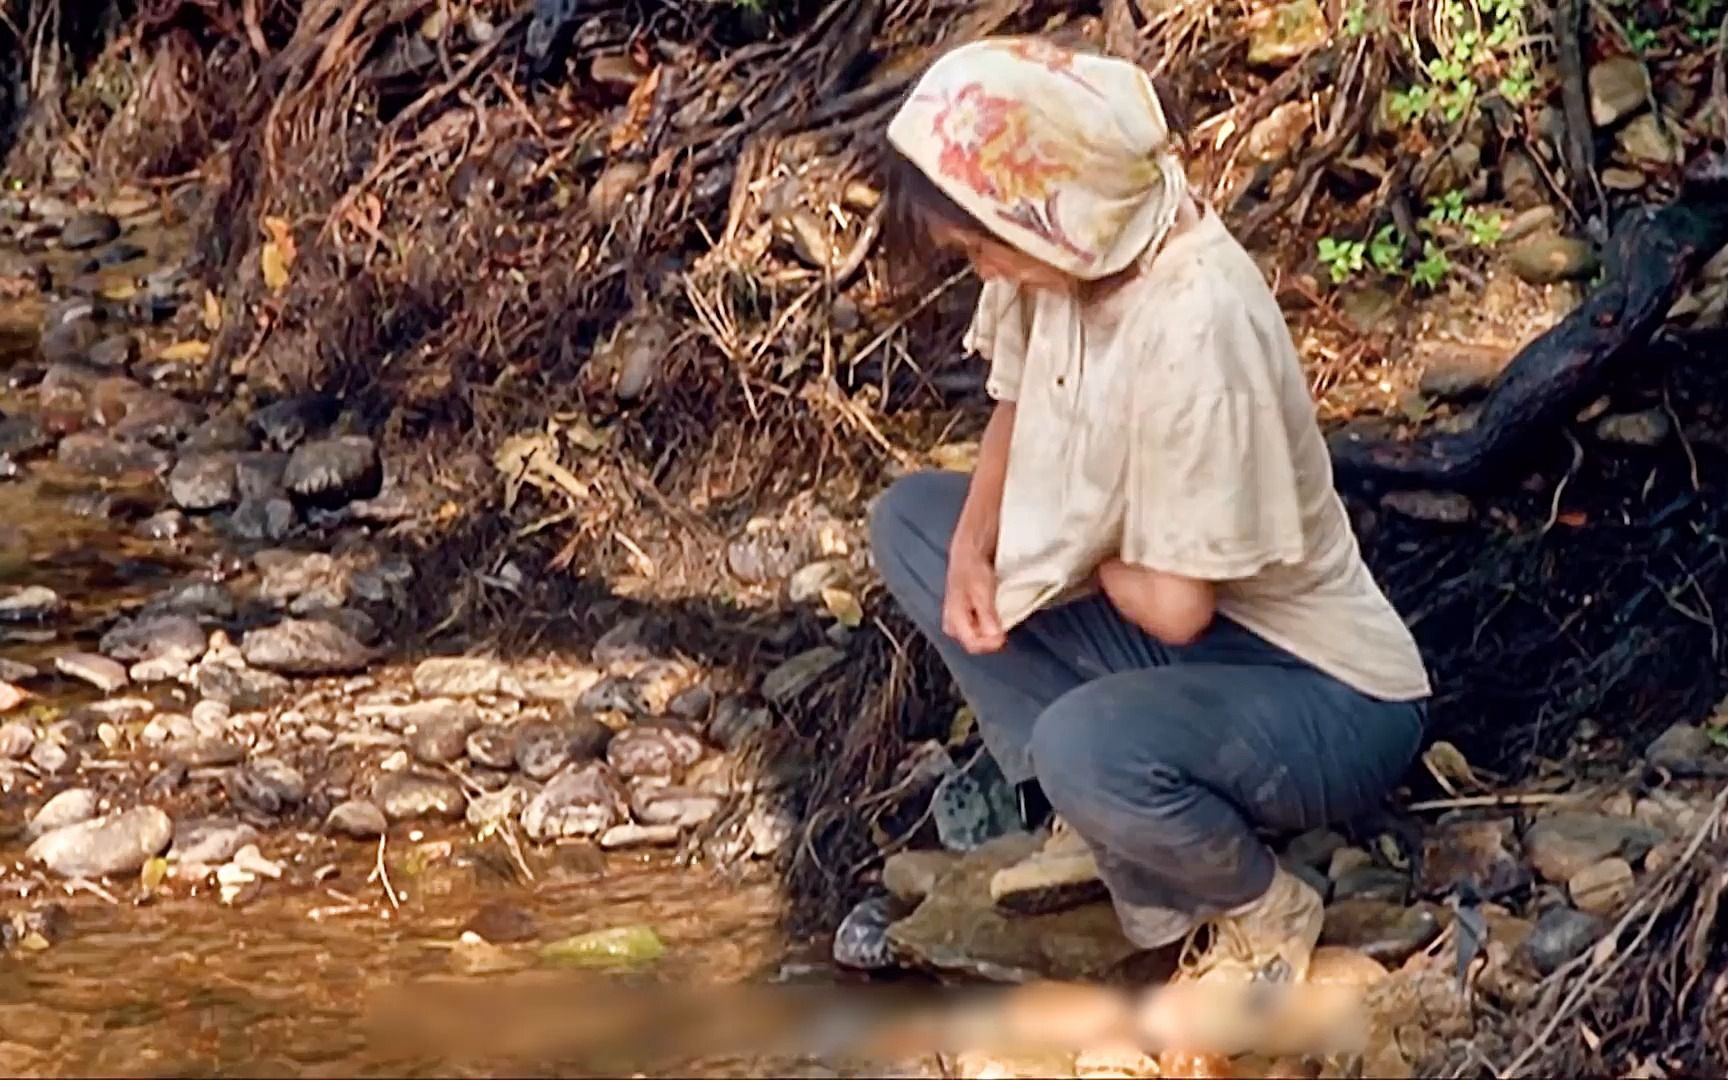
point(1170, 424)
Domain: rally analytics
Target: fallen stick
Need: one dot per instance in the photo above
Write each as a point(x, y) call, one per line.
point(1651, 256)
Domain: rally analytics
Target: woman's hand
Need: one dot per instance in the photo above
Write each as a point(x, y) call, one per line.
point(1175, 610)
point(969, 601)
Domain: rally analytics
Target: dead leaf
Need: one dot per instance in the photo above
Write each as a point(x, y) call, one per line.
point(637, 112)
point(277, 256)
point(1448, 765)
point(119, 290)
point(1591, 1039)
point(212, 312)
point(12, 696)
point(532, 458)
point(1573, 519)
point(960, 729)
point(185, 350)
point(844, 607)
point(955, 457)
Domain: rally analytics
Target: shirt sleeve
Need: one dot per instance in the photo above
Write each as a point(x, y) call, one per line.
point(998, 334)
point(1212, 486)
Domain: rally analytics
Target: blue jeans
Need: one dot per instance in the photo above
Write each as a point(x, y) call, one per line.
point(1163, 759)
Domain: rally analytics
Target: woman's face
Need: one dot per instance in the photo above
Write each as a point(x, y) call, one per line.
point(996, 261)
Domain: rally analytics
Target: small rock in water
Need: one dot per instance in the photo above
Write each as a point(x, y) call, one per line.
point(104, 674)
point(269, 785)
point(622, 945)
point(580, 801)
point(502, 924)
point(261, 519)
point(975, 806)
point(209, 841)
point(1561, 934)
point(258, 475)
point(464, 676)
point(102, 456)
point(302, 581)
point(285, 424)
point(632, 835)
point(304, 647)
point(1602, 888)
point(1643, 429)
point(862, 939)
point(331, 472)
point(1619, 87)
point(197, 599)
point(655, 804)
point(492, 747)
point(69, 807)
point(1560, 845)
point(358, 819)
point(659, 749)
point(203, 482)
point(52, 758)
point(410, 797)
point(33, 603)
point(1387, 932)
point(153, 637)
point(88, 230)
point(205, 751)
point(16, 739)
point(118, 844)
point(1685, 751)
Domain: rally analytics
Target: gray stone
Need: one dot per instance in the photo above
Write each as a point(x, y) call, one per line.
point(353, 622)
point(582, 800)
point(258, 474)
point(493, 747)
point(209, 841)
point(1372, 883)
point(1619, 87)
point(1561, 934)
point(304, 647)
point(154, 637)
point(1438, 507)
point(270, 786)
point(464, 676)
point(52, 758)
point(1560, 845)
point(1683, 750)
point(261, 519)
point(16, 739)
point(861, 941)
point(197, 599)
point(1478, 852)
point(204, 751)
point(117, 844)
point(301, 581)
point(285, 424)
point(974, 806)
point(1648, 428)
point(32, 603)
point(69, 807)
point(792, 678)
point(1550, 259)
point(662, 749)
point(1602, 888)
point(909, 876)
point(629, 834)
point(411, 797)
point(104, 674)
point(88, 230)
point(1646, 140)
point(664, 804)
point(444, 737)
point(331, 472)
point(238, 685)
point(357, 819)
point(201, 482)
point(103, 456)
point(1314, 847)
point(1387, 932)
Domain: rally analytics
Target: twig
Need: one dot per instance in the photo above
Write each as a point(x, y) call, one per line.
point(1680, 433)
point(1560, 488)
point(1534, 798)
point(86, 885)
point(381, 874)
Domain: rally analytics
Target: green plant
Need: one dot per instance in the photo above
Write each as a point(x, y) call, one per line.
point(1484, 230)
point(1641, 38)
point(1446, 209)
point(1433, 267)
point(1342, 258)
point(1480, 46)
point(1384, 250)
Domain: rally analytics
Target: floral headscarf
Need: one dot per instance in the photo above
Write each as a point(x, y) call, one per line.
point(1063, 155)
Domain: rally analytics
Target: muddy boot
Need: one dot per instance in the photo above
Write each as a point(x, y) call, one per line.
point(1225, 999)
point(1060, 875)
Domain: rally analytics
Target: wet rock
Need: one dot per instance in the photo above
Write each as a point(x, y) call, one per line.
point(974, 806)
point(358, 819)
point(99, 455)
point(21, 436)
point(16, 739)
point(330, 472)
point(1439, 507)
point(134, 413)
point(582, 800)
point(304, 647)
point(117, 844)
point(115, 351)
point(1685, 751)
point(206, 600)
point(32, 603)
point(1561, 845)
point(660, 749)
point(464, 676)
point(1549, 260)
point(1561, 934)
point(1387, 932)
point(1648, 141)
point(1372, 883)
point(69, 807)
point(1478, 852)
point(260, 519)
point(152, 637)
point(104, 674)
point(1617, 179)
point(1284, 33)
point(239, 685)
point(204, 751)
point(52, 758)
point(1345, 860)
point(693, 704)
point(200, 482)
point(205, 842)
point(88, 230)
point(269, 785)
point(286, 424)
point(301, 581)
point(502, 924)
point(495, 809)
point(165, 783)
point(632, 835)
point(1315, 847)
point(679, 807)
point(16, 671)
point(381, 583)
point(493, 747)
point(258, 475)
point(1602, 888)
point(1619, 87)
point(958, 930)
point(861, 941)
point(805, 586)
point(443, 738)
point(410, 797)
point(540, 749)
point(909, 876)
point(1648, 428)
point(792, 678)
point(613, 693)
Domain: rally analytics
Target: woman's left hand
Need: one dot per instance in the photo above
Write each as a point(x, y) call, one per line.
point(1175, 610)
